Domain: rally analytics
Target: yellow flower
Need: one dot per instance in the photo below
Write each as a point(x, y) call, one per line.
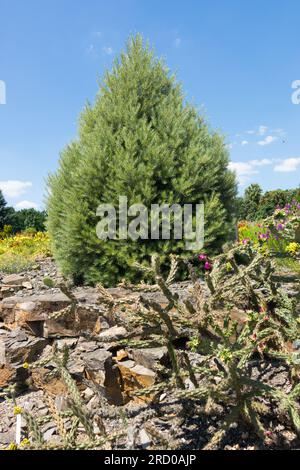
point(25, 442)
point(12, 446)
point(25, 365)
point(17, 410)
point(293, 248)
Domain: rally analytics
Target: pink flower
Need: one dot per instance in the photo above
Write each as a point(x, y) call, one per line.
point(245, 241)
point(207, 266)
point(202, 257)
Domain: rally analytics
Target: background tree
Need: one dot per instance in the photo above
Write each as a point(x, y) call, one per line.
point(256, 205)
point(28, 218)
point(251, 202)
point(142, 141)
point(3, 211)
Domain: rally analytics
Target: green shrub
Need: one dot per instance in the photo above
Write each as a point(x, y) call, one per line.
point(18, 252)
point(6, 232)
point(142, 141)
point(11, 263)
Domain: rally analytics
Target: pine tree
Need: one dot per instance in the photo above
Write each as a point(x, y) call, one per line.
point(3, 211)
point(142, 141)
point(252, 201)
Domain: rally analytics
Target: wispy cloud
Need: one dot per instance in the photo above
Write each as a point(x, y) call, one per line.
point(107, 50)
point(177, 42)
point(26, 205)
point(262, 130)
point(288, 165)
point(91, 50)
point(13, 188)
point(244, 142)
point(269, 139)
point(267, 135)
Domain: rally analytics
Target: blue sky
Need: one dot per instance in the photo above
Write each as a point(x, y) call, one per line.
point(236, 59)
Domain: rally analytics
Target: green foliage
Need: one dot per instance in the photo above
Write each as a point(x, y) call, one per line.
point(4, 211)
point(47, 281)
point(6, 232)
point(250, 203)
point(20, 220)
point(255, 205)
point(19, 252)
point(11, 263)
point(142, 141)
point(28, 219)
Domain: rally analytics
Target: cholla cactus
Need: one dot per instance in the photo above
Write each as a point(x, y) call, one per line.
point(228, 347)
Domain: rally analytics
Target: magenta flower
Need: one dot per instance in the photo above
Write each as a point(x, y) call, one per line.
point(280, 227)
point(245, 241)
point(207, 266)
point(202, 257)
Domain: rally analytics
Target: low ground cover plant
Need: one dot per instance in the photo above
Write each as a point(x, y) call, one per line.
point(19, 252)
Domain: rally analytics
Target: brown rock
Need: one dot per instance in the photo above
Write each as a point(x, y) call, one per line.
point(10, 375)
point(100, 325)
point(7, 374)
point(121, 354)
point(135, 377)
point(48, 383)
point(14, 280)
point(21, 347)
point(99, 368)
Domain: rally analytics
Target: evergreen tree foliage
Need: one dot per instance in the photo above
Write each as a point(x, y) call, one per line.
point(3, 211)
point(251, 202)
point(142, 141)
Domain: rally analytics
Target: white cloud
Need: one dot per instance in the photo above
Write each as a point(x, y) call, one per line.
point(267, 140)
point(262, 130)
point(177, 42)
point(244, 170)
point(26, 205)
point(262, 162)
point(245, 142)
point(12, 188)
point(107, 50)
point(288, 165)
point(250, 132)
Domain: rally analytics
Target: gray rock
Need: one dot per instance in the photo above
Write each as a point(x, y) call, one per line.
point(48, 434)
point(145, 439)
point(113, 334)
point(150, 357)
point(14, 280)
point(61, 403)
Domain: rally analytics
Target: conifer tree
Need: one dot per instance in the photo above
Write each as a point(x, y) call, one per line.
point(3, 211)
point(142, 141)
